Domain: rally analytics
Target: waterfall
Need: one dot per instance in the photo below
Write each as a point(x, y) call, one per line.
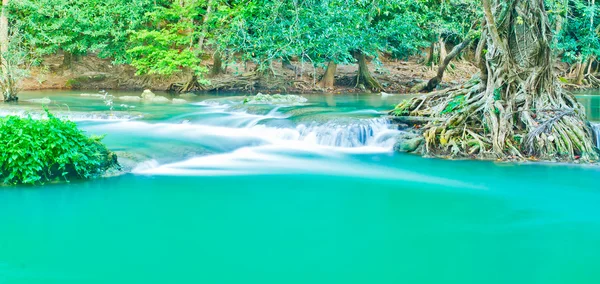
point(596, 132)
point(355, 133)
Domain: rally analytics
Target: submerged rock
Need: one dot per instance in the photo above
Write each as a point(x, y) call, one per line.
point(148, 95)
point(130, 98)
point(91, 95)
point(40, 101)
point(159, 99)
point(179, 101)
point(187, 95)
point(275, 99)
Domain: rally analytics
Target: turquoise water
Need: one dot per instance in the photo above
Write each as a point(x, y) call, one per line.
point(222, 192)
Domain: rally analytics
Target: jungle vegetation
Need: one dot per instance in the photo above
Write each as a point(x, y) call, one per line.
point(166, 37)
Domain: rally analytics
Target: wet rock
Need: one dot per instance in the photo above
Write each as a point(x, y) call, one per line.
point(187, 95)
point(159, 99)
point(148, 95)
point(40, 101)
point(91, 95)
point(385, 95)
point(179, 101)
point(409, 142)
point(130, 98)
point(275, 99)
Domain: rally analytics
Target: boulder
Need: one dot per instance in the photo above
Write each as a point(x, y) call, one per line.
point(159, 99)
point(188, 95)
point(92, 95)
point(409, 145)
point(409, 142)
point(130, 98)
point(148, 95)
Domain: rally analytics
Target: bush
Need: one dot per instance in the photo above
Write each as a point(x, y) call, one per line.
point(36, 151)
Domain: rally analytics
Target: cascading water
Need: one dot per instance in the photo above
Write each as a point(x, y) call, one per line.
point(596, 131)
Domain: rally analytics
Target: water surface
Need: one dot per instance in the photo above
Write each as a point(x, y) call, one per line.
point(223, 192)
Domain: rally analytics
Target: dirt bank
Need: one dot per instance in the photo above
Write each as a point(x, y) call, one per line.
point(91, 72)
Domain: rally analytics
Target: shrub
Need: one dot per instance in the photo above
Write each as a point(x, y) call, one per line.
point(36, 151)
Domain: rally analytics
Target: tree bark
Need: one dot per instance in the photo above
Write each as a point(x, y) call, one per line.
point(7, 88)
point(435, 81)
point(430, 56)
point(217, 67)
point(204, 30)
point(364, 75)
point(581, 68)
point(328, 79)
point(443, 51)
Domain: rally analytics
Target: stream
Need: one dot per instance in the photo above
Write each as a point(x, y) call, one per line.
point(218, 191)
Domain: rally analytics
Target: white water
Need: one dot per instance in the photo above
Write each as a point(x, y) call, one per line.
point(241, 141)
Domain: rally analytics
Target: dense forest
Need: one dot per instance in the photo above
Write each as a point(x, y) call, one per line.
point(216, 44)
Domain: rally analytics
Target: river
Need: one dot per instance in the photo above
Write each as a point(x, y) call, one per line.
point(225, 192)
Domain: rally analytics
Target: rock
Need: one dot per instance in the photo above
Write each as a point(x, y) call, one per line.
point(385, 95)
point(40, 101)
point(275, 99)
point(409, 142)
point(179, 101)
point(403, 126)
point(159, 99)
point(409, 145)
point(148, 95)
point(92, 95)
point(187, 95)
point(130, 98)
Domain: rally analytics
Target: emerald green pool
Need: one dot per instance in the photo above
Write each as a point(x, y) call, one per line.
point(221, 192)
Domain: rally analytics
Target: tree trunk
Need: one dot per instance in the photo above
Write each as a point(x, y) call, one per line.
point(217, 67)
point(522, 112)
point(581, 67)
point(204, 25)
point(435, 81)
point(443, 51)
point(364, 76)
point(7, 82)
point(430, 55)
point(328, 79)
point(481, 46)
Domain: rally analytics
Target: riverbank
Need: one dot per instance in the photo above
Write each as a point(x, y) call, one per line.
point(91, 72)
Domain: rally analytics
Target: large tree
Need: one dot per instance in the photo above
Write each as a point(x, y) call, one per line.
point(516, 108)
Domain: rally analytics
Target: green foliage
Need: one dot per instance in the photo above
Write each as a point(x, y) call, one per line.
point(455, 104)
point(577, 29)
point(169, 48)
point(80, 26)
point(36, 151)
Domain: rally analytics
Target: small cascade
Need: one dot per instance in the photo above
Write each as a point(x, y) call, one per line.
point(596, 132)
point(355, 133)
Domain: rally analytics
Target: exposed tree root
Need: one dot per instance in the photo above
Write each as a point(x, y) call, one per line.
point(518, 109)
point(465, 122)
